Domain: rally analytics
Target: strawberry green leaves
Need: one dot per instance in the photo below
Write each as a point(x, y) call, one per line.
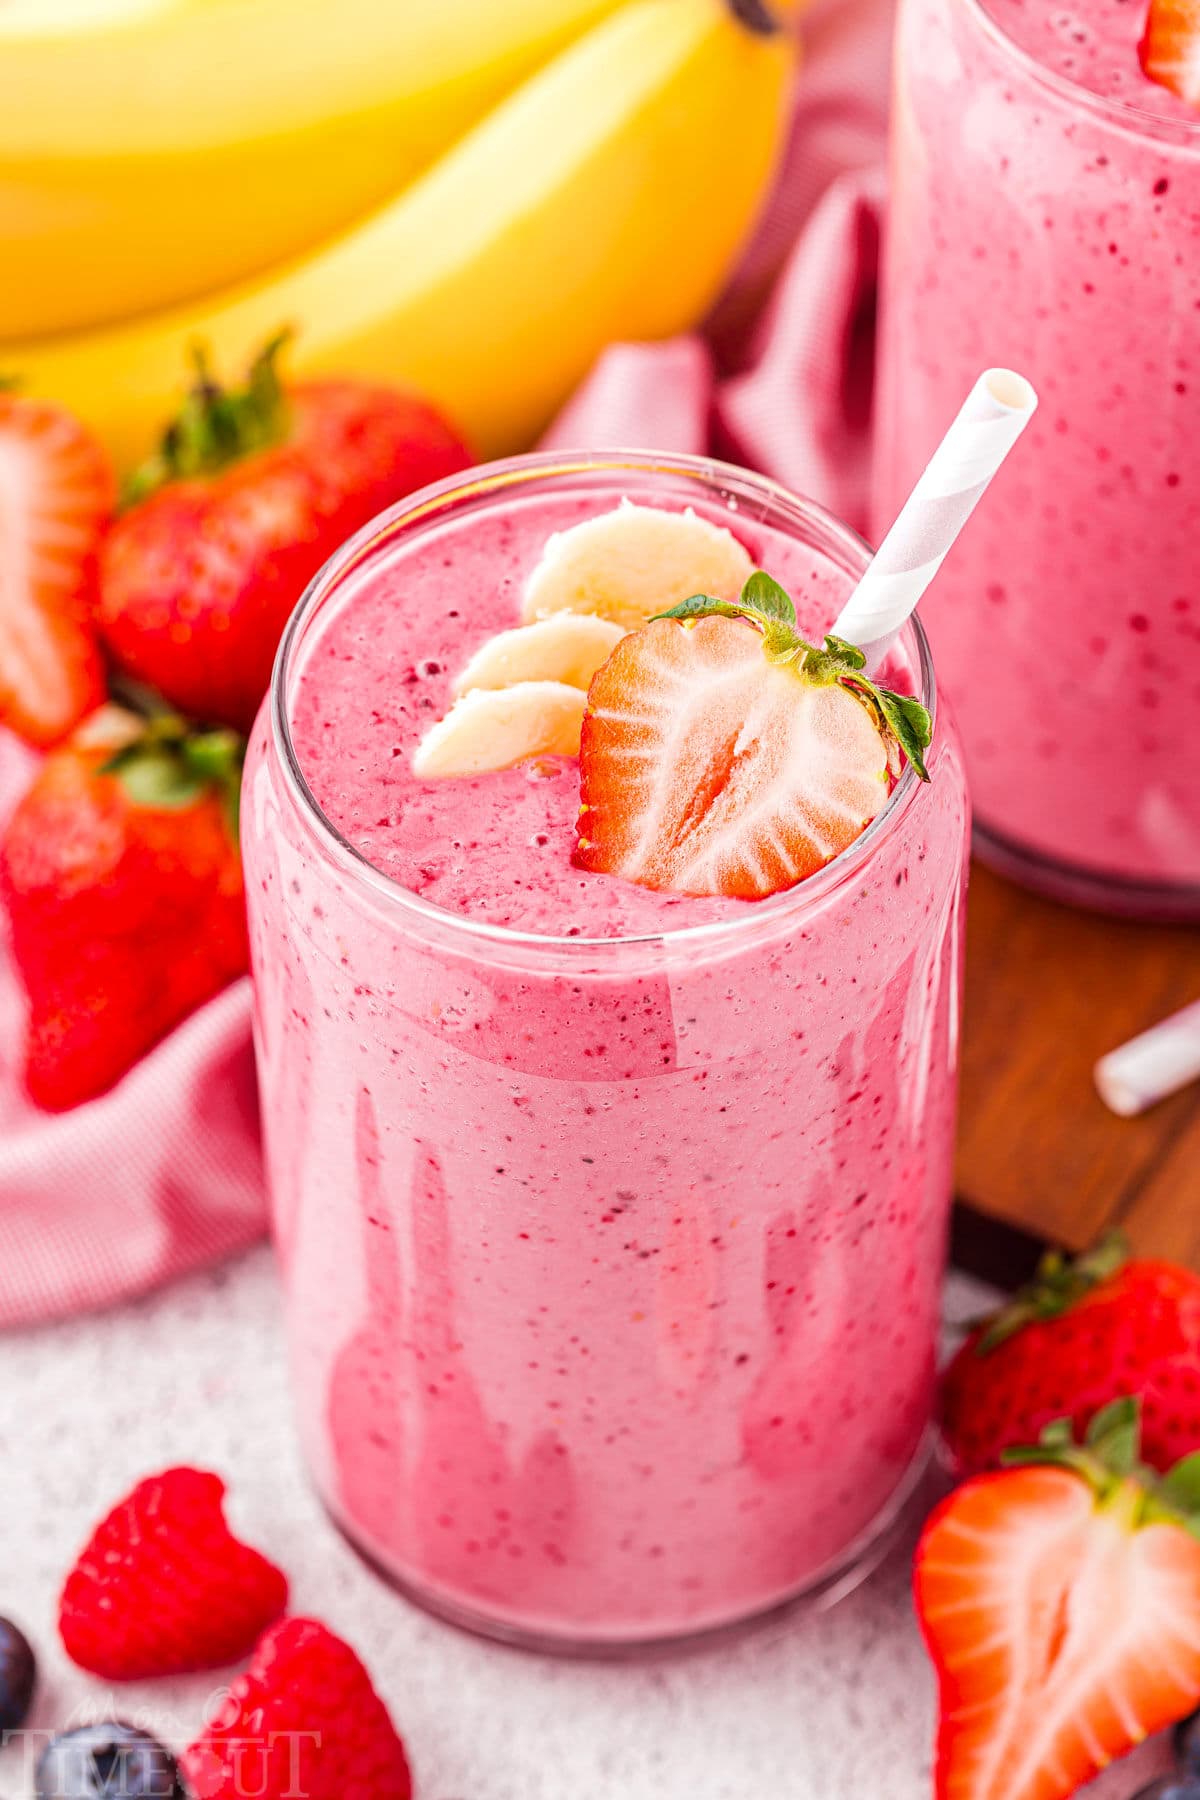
point(763, 595)
point(761, 600)
point(1180, 1489)
point(216, 426)
point(908, 722)
point(766, 605)
point(1057, 1286)
point(169, 767)
point(1109, 1459)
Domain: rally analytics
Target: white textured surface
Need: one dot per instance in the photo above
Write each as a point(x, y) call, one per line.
point(839, 1705)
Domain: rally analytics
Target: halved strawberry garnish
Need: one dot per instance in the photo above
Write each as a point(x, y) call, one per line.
point(1170, 47)
point(56, 493)
point(722, 754)
point(1060, 1601)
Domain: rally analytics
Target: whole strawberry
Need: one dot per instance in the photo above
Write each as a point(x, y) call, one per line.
point(1059, 1599)
point(163, 1587)
point(1080, 1335)
point(248, 496)
point(304, 1719)
point(122, 880)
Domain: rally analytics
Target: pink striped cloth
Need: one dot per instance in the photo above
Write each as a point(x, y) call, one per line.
point(164, 1173)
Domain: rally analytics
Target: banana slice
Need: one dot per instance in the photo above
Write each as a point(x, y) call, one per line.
point(628, 564)
point(493, 728)
point(567, 647)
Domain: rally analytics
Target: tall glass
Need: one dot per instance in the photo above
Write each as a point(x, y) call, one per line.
point(612, 1266)
point(1037, 224)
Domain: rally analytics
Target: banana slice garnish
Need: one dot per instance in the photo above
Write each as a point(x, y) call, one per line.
point(566, 647)
point(495, 728)
point(523, 692)
point(635, 561)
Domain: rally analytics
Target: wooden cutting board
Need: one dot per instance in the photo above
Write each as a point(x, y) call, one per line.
point(1049, 990)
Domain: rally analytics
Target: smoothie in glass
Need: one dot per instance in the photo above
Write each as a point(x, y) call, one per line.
point(1046, 213)
point(612, 1220)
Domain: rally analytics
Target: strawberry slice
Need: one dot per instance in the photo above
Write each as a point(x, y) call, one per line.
point(722, 754)
point(1170, 47)
point(1060, 1602)
point(56, 494)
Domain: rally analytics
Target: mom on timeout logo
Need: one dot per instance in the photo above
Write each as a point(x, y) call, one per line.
point(102, 1761)
point(96, 1758)
point(251, 1768)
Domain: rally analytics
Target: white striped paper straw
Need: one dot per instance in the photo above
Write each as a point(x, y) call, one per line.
point(994, 415)
point(1149, 1068)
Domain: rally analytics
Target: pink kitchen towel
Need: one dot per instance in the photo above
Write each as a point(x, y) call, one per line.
point(164, 1173)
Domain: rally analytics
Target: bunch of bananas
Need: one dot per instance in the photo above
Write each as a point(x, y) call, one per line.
point(468, 196)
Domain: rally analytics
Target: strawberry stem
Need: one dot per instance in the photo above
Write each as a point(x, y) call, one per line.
point(1109, 1460)
point(1057, 1286)
point(216, 426)
point(170, 765)
point(768, 607)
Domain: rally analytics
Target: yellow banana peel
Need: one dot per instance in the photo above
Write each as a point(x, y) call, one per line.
point(155, 150)
point(606, 199)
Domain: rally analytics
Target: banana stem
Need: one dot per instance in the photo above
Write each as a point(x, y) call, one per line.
point(756, 16)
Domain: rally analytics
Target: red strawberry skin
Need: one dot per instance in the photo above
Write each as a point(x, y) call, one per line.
point(56, 496)
point(123, 918)
point(163, 1588)
point(304, 1719)
point(198, 581)
point(1136, 1334)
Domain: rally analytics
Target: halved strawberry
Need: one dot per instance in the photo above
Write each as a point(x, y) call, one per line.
point(1170, 47)
point(1060, 1602)
point(56, 494)
point(722, 754)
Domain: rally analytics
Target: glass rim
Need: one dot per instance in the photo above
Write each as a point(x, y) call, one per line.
point(430, 504)
point(1139, 120)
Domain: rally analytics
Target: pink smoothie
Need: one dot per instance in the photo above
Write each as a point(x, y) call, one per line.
point(1046, 215)
point(612, 1237)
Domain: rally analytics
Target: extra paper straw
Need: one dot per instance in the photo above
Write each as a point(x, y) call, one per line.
point(994, 415)
point(1152, 1066)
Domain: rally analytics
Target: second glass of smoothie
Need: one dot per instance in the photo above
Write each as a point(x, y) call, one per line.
point(612, 1221)
point(1046, 213)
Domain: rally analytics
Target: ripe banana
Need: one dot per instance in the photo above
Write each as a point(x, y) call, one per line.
point(606, 199)
point(155, 150)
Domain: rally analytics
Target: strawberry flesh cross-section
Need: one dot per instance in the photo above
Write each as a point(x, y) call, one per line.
point(722, 754)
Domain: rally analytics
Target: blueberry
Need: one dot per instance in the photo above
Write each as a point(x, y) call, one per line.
point(108, 1762)
point(18, 1675)
point(1171, 1787)
point(1186, 1744)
